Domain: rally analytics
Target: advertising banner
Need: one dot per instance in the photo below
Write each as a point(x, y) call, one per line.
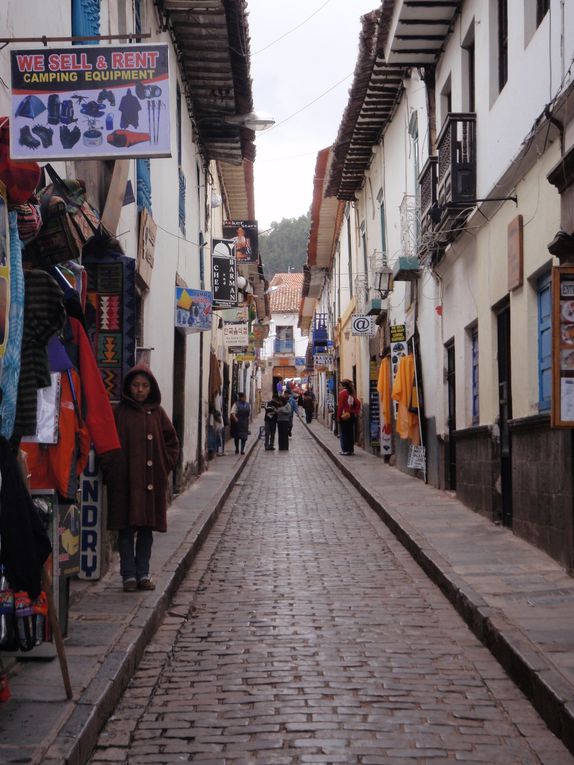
point(374, 405)
point(192, 309)
point(90, 102)
point(244, 234)
point(224, 274)
point(562, 415)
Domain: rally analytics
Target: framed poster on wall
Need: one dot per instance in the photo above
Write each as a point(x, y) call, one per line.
point(562, 415)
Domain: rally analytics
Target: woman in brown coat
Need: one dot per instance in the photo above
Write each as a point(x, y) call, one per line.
point(137, 475)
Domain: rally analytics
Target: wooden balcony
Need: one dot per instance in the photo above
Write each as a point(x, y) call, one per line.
point(448, 184)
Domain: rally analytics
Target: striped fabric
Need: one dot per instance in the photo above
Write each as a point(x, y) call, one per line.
point(44, 315)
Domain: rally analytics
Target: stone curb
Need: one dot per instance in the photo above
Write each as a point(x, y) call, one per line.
point(78, 736)
point(547, 690)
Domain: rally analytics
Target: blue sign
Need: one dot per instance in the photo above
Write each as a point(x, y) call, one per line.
point(299, 361)
point(193, 309)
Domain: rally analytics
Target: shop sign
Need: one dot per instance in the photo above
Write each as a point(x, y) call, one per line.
point(91, 509)
point(245, 357)
point(90, 102)
point(146, 246)
point(398, 350)
point(321, 360)
point(244, 235)
point(363, 325)
point(234, 315)
point(299, 361)
point(236, 335)
point(192, 309)
point(563, 347)
point(223, 274)
point(417, 457)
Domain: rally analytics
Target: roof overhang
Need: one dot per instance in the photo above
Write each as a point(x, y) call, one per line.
point(211, 38)
point(418, 30)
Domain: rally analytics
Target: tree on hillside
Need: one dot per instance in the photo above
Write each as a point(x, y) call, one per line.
point(284, 247)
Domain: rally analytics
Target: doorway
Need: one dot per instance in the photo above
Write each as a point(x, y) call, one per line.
point(505, 412)
point(451, 417)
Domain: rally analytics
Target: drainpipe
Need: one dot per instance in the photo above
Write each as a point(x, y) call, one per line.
point(428, 75)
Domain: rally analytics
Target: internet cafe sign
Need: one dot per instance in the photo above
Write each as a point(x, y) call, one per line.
point(90, 102)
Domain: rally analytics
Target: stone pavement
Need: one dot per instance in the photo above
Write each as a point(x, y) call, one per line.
point(107, 633)
point(515, 598)
point(305, 633)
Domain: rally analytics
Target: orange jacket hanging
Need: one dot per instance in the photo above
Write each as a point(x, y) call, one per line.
point(405, 394)
point(384, 388)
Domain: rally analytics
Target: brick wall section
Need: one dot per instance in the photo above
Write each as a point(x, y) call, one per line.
point(542, 480)
point(476, 473)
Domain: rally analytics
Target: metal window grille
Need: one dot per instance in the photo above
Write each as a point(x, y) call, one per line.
point(85, 19)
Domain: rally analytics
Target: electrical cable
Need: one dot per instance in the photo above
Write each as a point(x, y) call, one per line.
point(294, 114)
point(290, 31)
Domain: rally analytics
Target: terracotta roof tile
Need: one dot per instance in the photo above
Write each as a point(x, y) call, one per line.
point(286, 297)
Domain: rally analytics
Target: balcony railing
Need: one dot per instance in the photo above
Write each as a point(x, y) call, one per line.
point(410, 226)
point(283, 346)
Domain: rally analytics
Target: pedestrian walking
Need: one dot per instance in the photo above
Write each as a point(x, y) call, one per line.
point(270, 421)
point(284, 423)
point(239, 416)
point(137, 476)
point(308, 406)
point(348, 407)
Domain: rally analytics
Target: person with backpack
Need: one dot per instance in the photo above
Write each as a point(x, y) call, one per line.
point(284, 423)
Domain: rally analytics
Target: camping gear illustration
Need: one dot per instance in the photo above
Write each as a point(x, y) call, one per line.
point(124, 138)
point(67, 112)
point(129, 108)
point(154, 108)
point(109, 121)
point(147, 91)
point(93, 109)
point(53, 109)
point(80, 99)
point(45, 134)
point(69, 138)
point(27, 139)
point(107, 95)
point(30, 107)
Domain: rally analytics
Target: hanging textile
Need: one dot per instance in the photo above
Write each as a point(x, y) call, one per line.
point(111, 315)
point(404, 392)
point(10, 373)
point(214, 377)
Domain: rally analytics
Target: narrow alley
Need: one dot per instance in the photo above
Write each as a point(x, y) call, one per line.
point(305, 633)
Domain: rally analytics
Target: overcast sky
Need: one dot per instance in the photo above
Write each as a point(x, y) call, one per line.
point(289, 74)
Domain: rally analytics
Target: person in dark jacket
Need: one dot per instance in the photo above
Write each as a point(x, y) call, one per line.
point(309, 406)
point(137, 475)
point(271, 408)
point(284, 422)
point(239, 416)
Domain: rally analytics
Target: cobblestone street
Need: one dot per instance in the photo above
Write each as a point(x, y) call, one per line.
point(305, 633)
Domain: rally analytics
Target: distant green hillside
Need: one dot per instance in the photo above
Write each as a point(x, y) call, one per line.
point(284, 247)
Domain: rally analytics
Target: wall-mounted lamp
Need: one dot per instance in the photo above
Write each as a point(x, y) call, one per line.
point(384, 281)
point(244, 285)
point(252, 120)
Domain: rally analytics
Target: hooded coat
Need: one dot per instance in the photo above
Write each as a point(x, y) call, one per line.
point(137, 475)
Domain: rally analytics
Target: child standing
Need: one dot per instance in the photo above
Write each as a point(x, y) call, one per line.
point(137, 475)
